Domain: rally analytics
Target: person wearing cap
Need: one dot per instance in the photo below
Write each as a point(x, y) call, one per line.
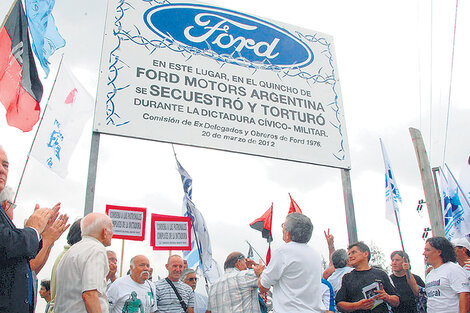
point(462, 250)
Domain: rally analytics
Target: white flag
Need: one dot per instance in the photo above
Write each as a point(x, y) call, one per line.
point(464, 179)
point(392, 194)
point(455, 207)
point(201, 248)
point(69, 107)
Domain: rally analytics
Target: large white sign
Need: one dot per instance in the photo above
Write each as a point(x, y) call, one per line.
point(194, 74)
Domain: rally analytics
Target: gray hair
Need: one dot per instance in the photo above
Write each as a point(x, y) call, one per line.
point(93, 223)
point(339, 258)
point(186, 272)
point(299, 227)
point(7, 194)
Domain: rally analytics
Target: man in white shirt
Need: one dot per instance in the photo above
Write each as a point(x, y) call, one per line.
point(120, 292)
point(81, 284)
point(447, 285)
point(294, 270)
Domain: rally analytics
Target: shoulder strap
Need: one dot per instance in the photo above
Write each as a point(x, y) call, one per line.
point(183, 304)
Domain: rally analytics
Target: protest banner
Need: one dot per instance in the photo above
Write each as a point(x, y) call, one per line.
point(170, 232)
point(128, 222)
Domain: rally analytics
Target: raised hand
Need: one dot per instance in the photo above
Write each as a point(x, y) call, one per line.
point(330, 240)
point(39, 219)
point(58, 227)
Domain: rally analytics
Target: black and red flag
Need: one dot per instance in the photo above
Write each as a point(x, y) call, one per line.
point(263, 224)
point(20, 87)
point(294, 207)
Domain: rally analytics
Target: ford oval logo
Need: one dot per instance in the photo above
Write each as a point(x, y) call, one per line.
point(240, 38)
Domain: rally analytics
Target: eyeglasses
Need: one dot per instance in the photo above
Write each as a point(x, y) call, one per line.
point(192, 278)
point(10, 205)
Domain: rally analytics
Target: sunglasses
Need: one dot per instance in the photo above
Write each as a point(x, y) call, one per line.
point(192, 278)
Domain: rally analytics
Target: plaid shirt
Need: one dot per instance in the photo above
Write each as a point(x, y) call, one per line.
point(235, 292)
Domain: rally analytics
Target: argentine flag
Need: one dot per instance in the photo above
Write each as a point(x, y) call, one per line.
point(392, 194)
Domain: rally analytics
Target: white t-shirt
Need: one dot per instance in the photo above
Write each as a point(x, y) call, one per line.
point(121, 289)
point(337, 276)
point(82, 268)
point(200, 303)
point(295, 274)
point(443, 286)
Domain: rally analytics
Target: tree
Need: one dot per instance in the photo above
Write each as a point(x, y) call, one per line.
point(377, 258)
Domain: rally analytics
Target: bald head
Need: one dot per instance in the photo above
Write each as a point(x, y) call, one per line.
point(175, 267)
point(3, 168)
point(99, 226)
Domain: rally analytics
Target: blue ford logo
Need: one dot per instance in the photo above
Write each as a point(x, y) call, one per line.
point(241, 38)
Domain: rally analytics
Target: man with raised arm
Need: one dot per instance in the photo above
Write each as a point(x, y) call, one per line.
point(295, 270)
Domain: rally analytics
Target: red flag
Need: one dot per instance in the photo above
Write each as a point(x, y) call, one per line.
point(20, 87)
point(294, 207)
point(263, 224)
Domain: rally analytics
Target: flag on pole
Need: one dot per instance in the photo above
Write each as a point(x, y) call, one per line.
point(464, 179)
point(69, 107)
point(20, 87)
point(46, 37)
point(294, 207)
point(392, 194)
point(455, 206)
point(264, 224)
point(250, 253)
point(208, 265)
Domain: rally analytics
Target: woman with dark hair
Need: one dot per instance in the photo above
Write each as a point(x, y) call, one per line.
point(447, 285)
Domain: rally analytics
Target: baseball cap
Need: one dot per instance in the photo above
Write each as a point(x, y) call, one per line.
point(461, 242)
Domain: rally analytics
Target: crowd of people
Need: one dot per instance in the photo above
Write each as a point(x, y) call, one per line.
point(84, 279)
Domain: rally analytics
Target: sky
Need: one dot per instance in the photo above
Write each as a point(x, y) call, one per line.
point(394, 61)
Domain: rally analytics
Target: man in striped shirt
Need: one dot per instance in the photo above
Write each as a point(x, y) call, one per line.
point(167, 300)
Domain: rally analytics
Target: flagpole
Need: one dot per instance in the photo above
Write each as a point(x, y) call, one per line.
point(188, 208)
point(256, 251)
point(37, 130)
point(122, 257)
point(401, 240)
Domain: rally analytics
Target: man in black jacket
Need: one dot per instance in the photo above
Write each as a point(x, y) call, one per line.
point(17, 247)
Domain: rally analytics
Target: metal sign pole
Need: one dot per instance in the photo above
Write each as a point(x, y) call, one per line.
point(92, 167)
point(349, 205)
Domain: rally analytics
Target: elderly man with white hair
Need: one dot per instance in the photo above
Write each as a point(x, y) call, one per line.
point(120, 292)
point(81, 284)
point(18, 246)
